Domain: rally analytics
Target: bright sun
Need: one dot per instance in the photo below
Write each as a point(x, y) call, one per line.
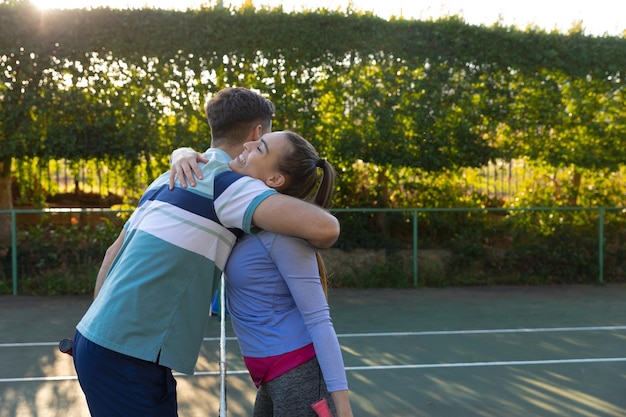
point(116, 4)
point(59, 4)
point(65, 4)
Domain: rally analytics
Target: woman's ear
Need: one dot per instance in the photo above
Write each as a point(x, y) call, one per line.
point(275, 181)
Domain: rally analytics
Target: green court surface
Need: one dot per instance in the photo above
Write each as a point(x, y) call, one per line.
point(454, 352)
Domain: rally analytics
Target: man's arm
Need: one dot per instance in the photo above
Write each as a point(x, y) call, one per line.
point(287, 215)
point(109, 256)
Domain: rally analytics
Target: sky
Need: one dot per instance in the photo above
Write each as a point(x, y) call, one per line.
point(598, 17)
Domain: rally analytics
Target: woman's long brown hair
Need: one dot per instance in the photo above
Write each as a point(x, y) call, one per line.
point(300, 168)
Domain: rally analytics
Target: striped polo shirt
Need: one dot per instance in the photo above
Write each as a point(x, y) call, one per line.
point(156, 297)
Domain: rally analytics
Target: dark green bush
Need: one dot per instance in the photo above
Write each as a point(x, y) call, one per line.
point(389, 274)
point(517, 247)
point(57, 259)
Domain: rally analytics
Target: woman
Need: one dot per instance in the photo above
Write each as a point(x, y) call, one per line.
point(276, 291)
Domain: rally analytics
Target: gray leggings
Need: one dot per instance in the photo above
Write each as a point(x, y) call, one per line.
point(291, 394)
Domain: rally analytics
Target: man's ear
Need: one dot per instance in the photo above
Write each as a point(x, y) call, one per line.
point(257, 132)
point(275, 181)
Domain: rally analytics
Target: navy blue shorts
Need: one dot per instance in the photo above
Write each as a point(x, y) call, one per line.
point(120, 385)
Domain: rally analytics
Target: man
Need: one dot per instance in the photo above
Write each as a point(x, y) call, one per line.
point(153, 291)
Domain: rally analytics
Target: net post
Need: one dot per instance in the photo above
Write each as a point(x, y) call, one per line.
point(222, 347)
point(14, 251)
point(601, 245)
point(415, 260)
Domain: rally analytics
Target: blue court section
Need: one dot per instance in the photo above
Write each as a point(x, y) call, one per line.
point(496, 351)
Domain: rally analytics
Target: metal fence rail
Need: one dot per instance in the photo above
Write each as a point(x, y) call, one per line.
point(416, 211)
point(412, 213)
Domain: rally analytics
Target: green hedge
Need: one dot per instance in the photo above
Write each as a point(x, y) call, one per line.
point(484, 248)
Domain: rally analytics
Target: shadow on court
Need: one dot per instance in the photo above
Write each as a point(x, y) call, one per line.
point(483, 352)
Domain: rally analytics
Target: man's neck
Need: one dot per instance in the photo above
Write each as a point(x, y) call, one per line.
point(232, 151)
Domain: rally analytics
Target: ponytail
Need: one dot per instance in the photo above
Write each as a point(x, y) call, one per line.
point(300, 168)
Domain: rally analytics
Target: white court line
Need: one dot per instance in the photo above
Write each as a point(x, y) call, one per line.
point(384, 367)
point(29, 344)
point(492, 331)
point(370, 368)
point(496, 363)
point(39, 379)
point(389, 334)
point(461, 332)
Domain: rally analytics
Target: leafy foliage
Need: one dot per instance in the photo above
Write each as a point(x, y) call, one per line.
point(127, 86)
point(407, 111)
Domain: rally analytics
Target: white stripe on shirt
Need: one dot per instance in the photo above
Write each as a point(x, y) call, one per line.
point(184, 229)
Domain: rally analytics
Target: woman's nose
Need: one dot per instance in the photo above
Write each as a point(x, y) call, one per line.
point(250, 146)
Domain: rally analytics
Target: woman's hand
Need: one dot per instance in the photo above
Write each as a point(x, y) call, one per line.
point(185, 166)
point(342, 403)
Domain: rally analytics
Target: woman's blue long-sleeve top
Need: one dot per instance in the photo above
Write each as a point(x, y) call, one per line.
point(277, 303)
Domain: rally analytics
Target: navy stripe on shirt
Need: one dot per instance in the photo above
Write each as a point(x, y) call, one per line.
point(192, 202)
point(223, 180)
point(181, 198)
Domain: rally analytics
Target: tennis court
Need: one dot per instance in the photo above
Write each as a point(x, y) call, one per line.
point(488, 351)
